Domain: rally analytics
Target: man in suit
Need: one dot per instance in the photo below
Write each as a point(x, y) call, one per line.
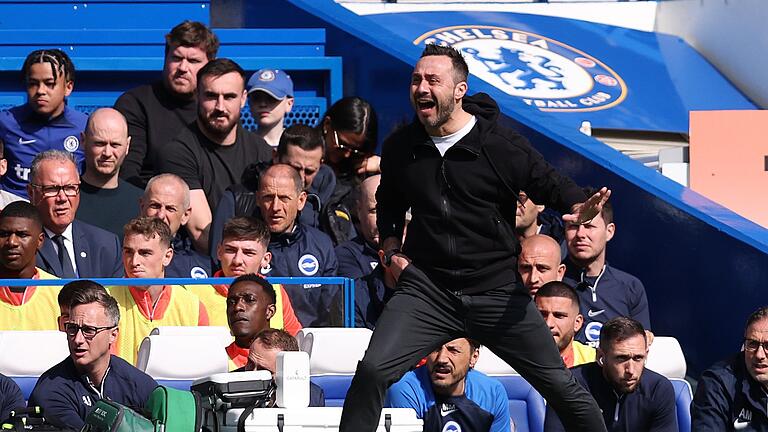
point(72, 249)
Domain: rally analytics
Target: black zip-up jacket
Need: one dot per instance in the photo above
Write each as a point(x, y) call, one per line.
point(463, 204)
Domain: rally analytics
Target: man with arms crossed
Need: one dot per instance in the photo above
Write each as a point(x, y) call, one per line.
point(457, 273)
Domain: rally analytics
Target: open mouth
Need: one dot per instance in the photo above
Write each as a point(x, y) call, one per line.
point(425, 104)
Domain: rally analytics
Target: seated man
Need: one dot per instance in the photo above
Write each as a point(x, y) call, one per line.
point(214, 151)
point(166, 197)
point(263, 356)
point(559, 306)
point(359, 260)
point(45, 121)
point(106, 200)
point(73, 248)
point(146, 253)
point(532, 219)
point(733, 394)
point(605, 291)
point(250, 306)
point(244, 251)
point(21, 236)
point(300, 147)
point(68, 391)
point(539, 262)
point(11, 397)
point(631, 397)
point(448, 391)
point(297, 249)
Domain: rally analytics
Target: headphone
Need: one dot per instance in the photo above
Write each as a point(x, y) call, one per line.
point(600, 361)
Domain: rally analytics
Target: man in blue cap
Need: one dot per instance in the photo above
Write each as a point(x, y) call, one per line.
point(270, 98)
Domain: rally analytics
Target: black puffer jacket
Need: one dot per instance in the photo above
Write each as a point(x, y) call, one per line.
point(463, 204)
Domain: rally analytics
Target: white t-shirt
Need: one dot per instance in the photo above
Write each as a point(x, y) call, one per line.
point(445, 142)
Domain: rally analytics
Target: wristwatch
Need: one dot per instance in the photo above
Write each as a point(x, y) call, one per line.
point(388, 256)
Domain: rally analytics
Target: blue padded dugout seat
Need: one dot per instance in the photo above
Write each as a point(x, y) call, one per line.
point(25, 355)
point(526, 406)
point(683, 399)
point(333, 356)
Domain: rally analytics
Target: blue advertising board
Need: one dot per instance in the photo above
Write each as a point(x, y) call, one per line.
point(613, 77)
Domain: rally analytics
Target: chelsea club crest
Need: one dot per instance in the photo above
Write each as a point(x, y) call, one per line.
point(543, 72)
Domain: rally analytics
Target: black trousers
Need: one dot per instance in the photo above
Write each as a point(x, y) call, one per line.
point(421, 317)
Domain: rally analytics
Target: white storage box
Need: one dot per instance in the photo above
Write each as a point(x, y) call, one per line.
point(316, 420)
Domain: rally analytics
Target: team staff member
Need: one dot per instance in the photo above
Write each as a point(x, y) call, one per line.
point(449, 392)
point(631, 397)
point(605, 291)
point(146, 252)
point(263, 356)
point(733, 394)
point(300, 147)
point(68, 391)
point(244, 251)
point(45, 122)
point(457, 271)
point(215, 150)
point(297, 249)
point(359, 260)
point(21, 236)
point(157, 112)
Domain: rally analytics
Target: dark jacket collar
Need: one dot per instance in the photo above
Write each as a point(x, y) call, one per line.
point(485, 110)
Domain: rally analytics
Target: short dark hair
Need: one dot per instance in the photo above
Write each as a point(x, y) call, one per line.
point(149, 227)
point(2, 149)
point(277, 339)
point(68, 291)
point(460, 68)
point(193, 34)
point(619, 329)
point(301, 136)
point(757, 315)
point(258, 280)
point(23, 210)
point(559, 289)
point(607, 212)
point(475, 345)
point(93, 292)
point(219, 67)
point(246, 228)
point(356, 115)
point(61, 64)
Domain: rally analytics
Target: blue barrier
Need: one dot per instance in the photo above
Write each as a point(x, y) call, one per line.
point(348, 286)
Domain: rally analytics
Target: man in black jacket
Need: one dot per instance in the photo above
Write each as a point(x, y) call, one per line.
point(460, 173)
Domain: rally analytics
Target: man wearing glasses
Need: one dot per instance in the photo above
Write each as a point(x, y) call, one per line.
point(68, 391)
point(72, 248)
point(733, 394)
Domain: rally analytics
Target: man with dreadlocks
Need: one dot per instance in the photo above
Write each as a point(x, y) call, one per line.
point(45, 122)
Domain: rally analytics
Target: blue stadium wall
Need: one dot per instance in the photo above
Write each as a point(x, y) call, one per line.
point(704, 267)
